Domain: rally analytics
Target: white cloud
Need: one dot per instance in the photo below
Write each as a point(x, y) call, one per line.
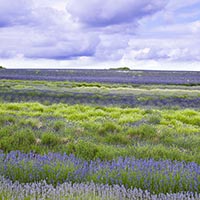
point(46, 33)
point(174, 5)
point(89, 32)
point(14, 13)
point(98, 13)
point(179, 49)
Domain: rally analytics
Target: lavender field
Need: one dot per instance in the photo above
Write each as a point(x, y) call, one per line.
point(99, 134)
point(102, 87)
point(105, 76)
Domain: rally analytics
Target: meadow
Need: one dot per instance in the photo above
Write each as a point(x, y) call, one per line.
point(75, 139)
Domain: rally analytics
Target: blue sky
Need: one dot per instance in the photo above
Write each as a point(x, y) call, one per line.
point(140, 34)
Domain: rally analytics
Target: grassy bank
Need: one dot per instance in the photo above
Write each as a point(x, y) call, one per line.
point(101, 132)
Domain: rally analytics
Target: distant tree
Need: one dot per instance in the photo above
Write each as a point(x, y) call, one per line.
point(1, 67)
point(121, 68)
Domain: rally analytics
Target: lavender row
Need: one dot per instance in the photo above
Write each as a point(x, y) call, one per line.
point(162, 176)
point(97, 99)
point(104, 76)
point(85, 191)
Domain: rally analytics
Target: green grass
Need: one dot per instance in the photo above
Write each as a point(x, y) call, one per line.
point(92, 132)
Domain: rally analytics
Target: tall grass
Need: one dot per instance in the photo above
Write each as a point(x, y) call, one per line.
point(163, 133)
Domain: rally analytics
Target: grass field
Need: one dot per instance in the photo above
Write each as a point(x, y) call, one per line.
point(101, 132)
point(106, 134)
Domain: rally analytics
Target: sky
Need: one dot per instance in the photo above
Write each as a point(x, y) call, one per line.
point(139, 34)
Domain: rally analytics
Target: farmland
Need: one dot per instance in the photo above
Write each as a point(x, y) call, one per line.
point(131, 134)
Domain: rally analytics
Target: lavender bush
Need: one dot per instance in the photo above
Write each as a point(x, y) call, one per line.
point(85, 191)
point(70, 97)
point(162, 176)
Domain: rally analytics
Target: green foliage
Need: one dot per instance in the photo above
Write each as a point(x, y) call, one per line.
point(117, 139)
point(7, 120)
point(100, 132)
point(154, 118)
point(83, 149)
point(22, 140)
point(108, 127)
point(32, 122)
point(50, 139)
point(58, 125)
point(142, 131)
point(13, 106)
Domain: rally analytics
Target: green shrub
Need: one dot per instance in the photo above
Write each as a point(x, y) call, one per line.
point(58, 125)
point(49, 139)
point(5, 144)
point(34, 123)
point(118, 139)
point(83, 149)
point(14, 106)
point(46, 102)
point(142, 131)
point(7, 119)
point(108, 127)
point(154, 119)
point(23, 138)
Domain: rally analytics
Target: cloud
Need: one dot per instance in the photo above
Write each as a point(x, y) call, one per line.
point(178, 4)
point(98, 13)
point(65, 48)
point(31, 13)
point(100, 31)
point(33, 30)
point(15, 12)
point(169, 49)
point(111, 47)
point(173, 54)
point(36, 43)
point(47, 31)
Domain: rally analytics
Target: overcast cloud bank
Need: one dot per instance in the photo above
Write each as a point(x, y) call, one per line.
point(65, 33)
